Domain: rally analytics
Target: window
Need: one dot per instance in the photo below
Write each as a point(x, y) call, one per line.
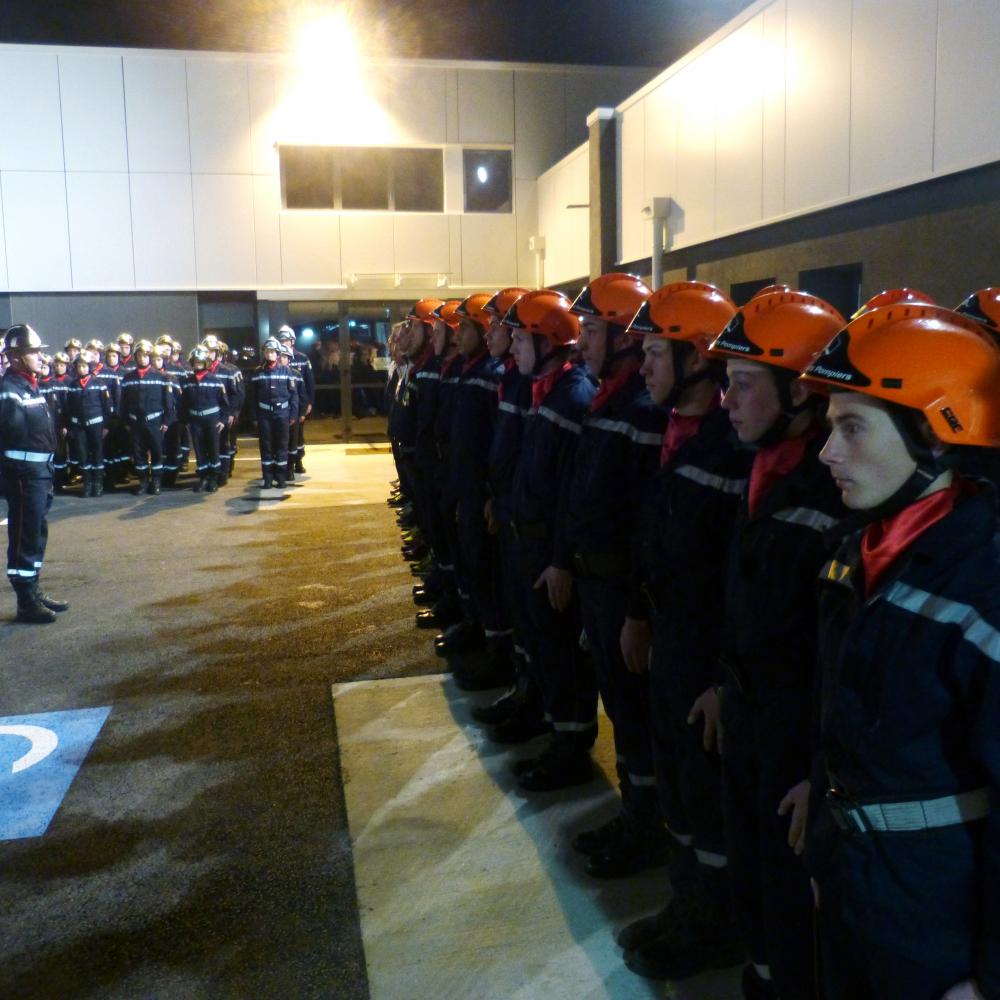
point(488, 180)
point(362, 178)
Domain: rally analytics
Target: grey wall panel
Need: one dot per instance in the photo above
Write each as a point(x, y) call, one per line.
point(485, 106)
point(59, 317)
point(92, 91)
point(30, 124)
point(539, 122)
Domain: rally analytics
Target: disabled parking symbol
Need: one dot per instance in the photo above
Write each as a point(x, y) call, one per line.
point(39, 758)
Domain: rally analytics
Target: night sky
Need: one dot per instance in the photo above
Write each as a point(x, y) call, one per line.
point(610, 32)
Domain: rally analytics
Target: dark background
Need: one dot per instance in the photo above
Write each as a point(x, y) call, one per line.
point(601, 32)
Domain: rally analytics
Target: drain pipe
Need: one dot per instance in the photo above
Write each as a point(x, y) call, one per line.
point(658, 211)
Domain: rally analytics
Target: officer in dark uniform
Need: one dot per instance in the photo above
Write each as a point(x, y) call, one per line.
point(272, 388)
point(175, 442)
point(303, 368)
point(904, 817)
point(239, 396)
point(148, 409)
point(769, 630)
point(116, 444)
point(56, 392)
point(89, 405)
point(27, 444)
point(126, 344)
point(233, 379)
point(204, 405)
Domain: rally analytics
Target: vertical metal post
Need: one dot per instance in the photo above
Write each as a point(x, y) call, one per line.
point(345, 372)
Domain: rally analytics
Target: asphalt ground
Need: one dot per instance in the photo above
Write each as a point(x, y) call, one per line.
point(202, 849)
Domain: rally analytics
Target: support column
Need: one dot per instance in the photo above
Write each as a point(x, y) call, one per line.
point(603, 126)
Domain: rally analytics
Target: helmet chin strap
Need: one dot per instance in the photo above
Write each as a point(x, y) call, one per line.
point(929, 467)
point(684, 382)
point(611, 356)
point(789, 411)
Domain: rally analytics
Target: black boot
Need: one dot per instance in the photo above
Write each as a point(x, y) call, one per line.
point(30, 610)
point(211, 483)
point(154, 485)
point(200, 485)
point(462, 637)
point(299, 467)
point(140, 483)
point(564, 764)
point(279, 481)
point(267, 483)
point(50, 602)
point(86, 484)
point(98, 483)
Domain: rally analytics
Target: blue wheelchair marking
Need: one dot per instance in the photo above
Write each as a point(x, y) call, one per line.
point(39, 757)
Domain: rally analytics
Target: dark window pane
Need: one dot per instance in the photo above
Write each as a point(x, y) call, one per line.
point(487, 180)
point(364, 178)
point(307, 176)
point(418, 180)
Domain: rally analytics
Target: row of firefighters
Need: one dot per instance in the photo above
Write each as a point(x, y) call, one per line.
point(765, 538)
point(139, 407)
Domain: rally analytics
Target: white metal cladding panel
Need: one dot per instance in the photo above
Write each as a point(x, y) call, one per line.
point(421, 243)
point(818, 100)
point(485, 106)
point(3, 248)
point(263, 151)
point(30, 125)
point(224, 231)
point(310, 249)
point(100, 230)
point(566, 231)
point(418, 104)
point(739, 127)
point(773, 116)
point(267, 229)
point(489, 258)
point(34, 215)
point(526, 226)
point(539, 122)
point(366, 243)
point(92, 91)
point(219, 115)
point(635, 231)
point(661, 149)
point(892, 93)
point(163, 231)
point(454, 182)
point(967, 125)
point(695, 151)
point(455, 249)
point(156, 114)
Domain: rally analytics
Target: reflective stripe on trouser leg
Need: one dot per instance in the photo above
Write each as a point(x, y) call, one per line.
point(28, 503)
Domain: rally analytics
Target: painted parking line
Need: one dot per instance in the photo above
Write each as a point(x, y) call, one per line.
point(39, 757)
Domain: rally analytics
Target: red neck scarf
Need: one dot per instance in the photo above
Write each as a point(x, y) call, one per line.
point(200, 375)
point(681, 429)
point(473, 361)
point(885, 541)
point(614, 383)
point(96, 368)
point(142, 372)
point(84, 381)
point(30, 377)
point(775, 462)
point(544, 384)
point(213, 367)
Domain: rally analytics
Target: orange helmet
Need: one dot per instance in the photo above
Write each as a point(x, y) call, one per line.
point(474, 308)
point(785, 330)
point(613, 297)
point(689, 311)
point(547, 314)
point(424, 310)
point(503, 300)
point(446, 313)
point(922, 357)
point(890, 296)
point(772, 290)
point(984, 307)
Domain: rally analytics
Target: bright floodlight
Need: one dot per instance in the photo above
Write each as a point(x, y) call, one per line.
point(308, 333)
point(483, 174)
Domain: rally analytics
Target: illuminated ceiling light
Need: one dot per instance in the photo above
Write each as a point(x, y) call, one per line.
point(483, 174)
point(308, 333)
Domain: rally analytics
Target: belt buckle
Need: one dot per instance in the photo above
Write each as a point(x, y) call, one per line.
point(848, 817)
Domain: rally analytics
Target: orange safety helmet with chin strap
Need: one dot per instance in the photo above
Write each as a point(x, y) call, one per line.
point(500, 304)
point(984, 307)
point(474, 308)
point(446, 313)
point(691, 312)
point(924, 358)
point(423, 309)
point(545, 313)
point(774, 289)
point(614, 298)
point(785, 330)
point(891, 297)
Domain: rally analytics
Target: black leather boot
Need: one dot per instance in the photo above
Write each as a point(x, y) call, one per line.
point(140, 485)
point(153, 489)
point(50, 602)
point(30, 610)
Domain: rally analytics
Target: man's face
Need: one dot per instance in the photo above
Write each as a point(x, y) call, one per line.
point(59, 367)
point(73, 353)
point(523, 349)
point(142, 359)
point(593, 343)
point(270, 355)
point(865, 452)
point(658, 367)
point(497, 338)
point(414, 338)
point(751, 400)
point(440, 337)
point(469, 338)
point(82, 367)
point(111, 359)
